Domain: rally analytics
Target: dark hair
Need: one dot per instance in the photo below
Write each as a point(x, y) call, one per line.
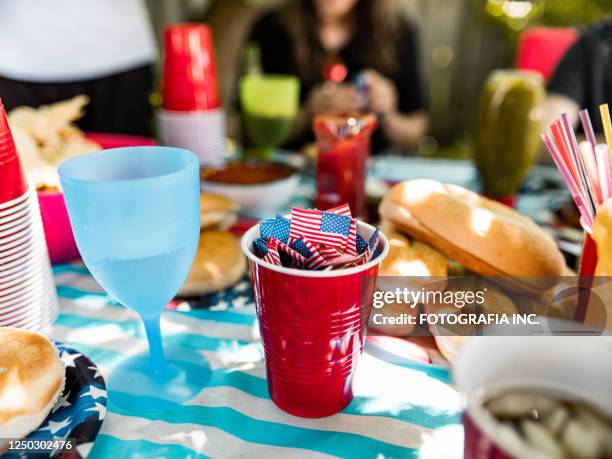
point(375, 33)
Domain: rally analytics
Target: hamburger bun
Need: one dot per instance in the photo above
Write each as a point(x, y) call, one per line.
point(487, 237)
point(451, 338)
point(411, 259)
point(217, 212)
point(219, 263)
point(32, 377)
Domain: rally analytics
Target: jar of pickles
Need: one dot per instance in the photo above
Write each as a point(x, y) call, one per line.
point(508, 126)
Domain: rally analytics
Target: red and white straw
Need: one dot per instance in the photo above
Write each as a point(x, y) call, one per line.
point(585, 168)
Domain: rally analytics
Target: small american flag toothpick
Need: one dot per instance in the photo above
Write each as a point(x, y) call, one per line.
point(315, 240)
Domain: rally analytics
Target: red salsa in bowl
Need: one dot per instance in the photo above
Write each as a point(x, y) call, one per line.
point(246, 173)
point(258, 187)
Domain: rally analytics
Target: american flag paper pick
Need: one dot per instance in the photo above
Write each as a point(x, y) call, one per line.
point(321, 227)
point(277, 227)
point(300, 246)
point(341, 210)
point(266, 228)
point(329, 253)
point(316, 260)
point(272, 256)
point(361, 244)
point(373, 240)
point(345, 260)
point(293, 258)
point(260, 247)
point(315, 240)
point(351, 243)
point(281, 229)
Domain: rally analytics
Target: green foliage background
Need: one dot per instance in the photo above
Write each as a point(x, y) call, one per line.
point(555, 13)
point(572, 12)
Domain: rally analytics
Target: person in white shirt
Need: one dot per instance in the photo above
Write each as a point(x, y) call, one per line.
point(54, 50)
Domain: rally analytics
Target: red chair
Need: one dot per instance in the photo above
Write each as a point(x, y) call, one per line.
point(541, 48)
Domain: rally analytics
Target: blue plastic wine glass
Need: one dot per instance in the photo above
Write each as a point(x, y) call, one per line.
point(135, 214)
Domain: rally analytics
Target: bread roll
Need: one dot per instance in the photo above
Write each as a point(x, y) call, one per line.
point(487, 237)
point(416, 261)
point(219, 263)
point(451, 338)
point(32, 377)
point(411, 258)
point(217, 212)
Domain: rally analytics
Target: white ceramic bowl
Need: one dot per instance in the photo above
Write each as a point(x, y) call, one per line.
point(259, 197)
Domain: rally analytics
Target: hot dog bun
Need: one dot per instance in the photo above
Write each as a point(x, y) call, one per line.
point(487, 237)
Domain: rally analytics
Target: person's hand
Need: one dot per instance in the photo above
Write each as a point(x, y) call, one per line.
point(382, 92)
point(333, 98)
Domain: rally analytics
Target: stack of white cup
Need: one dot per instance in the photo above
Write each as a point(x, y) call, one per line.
point(27, 293)
point(202, 132)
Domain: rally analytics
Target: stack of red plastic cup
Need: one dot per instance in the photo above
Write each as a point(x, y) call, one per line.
point(27, 292)
point(191, 115)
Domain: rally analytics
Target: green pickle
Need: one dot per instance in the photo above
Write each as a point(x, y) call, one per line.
point(508, 127)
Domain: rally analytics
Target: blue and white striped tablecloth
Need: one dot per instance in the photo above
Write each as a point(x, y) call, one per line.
point(401, 409)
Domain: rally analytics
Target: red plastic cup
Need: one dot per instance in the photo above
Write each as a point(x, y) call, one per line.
point(586, 272)
point(13, 183)
point(189, 79)
point(343, 143)
point(312, 326)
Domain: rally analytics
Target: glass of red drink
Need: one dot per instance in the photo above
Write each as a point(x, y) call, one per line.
point(343, 143)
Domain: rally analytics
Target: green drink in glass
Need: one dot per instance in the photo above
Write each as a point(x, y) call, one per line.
point(269, 106)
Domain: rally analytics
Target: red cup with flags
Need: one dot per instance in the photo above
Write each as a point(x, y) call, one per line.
point(312, 325)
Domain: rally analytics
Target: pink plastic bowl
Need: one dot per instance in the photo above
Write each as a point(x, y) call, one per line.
point(58, 233)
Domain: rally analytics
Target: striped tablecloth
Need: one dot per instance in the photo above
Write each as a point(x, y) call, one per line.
point(401, 408)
